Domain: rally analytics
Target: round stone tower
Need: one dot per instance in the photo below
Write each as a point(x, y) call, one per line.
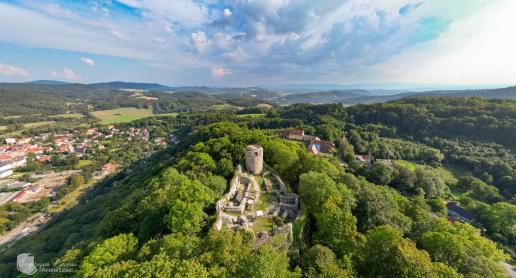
point(254, 159)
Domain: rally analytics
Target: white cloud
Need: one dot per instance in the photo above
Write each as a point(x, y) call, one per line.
point(58, 11)
point(238, 56)
point(227, 12)
point(88, 61)
point(199, 41)
point(119, 35)
point(279, 40)
point(479, 49)
point(218, 72)
point(67, 73)
point(11, 70)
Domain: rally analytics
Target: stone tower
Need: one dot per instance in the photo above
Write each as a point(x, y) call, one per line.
point(254, 159)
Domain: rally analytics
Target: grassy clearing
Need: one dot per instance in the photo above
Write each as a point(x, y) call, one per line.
point(263, 224)
point(38, 124)
point(70, 116)
point(3, 127)
point(407, 164)
point(71, 199)
point(82, 163)
point(166, 115)
point(225, 106)
point(126, 115)
point(264, 105)
point(449, 176)
point(251, 115)
point(266, 199)
point(25, 127)
point(121, 115)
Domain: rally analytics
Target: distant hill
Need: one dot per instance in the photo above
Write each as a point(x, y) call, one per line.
point(509, 92)
point(117, 85)
point(47, 82)
point(351, 97)
point(51, 97)
point(334, 96)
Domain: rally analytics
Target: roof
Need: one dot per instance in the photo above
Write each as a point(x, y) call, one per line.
point(364, 158)
point(321, 146)
point(322, 142)
point(6, 162)
point(460, 211)
point(108, 165)
point(297, 132)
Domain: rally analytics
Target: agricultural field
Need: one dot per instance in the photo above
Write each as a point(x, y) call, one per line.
point(25, 127)
point(251, 115)
point(121, 115)
point(126, 115)
point(71, 116)
point(82, 163)
point(38, 124)
point(225, 106)
point(166, 115)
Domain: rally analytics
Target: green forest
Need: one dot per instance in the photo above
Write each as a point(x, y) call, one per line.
point(155, 219)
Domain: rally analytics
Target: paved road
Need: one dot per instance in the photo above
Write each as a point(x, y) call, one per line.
point(511, 271)
point(30, 225)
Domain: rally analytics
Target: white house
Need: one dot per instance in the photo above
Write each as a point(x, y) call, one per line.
point(6, 165)
point(6, 173)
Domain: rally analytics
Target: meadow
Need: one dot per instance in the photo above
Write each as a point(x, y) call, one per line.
point(125, 115)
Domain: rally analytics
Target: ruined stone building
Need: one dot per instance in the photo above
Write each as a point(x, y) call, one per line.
point(254, 159)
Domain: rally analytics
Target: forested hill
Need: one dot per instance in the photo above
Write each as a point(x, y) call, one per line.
point(52, 99)
point(49, 97)
point(473, 118)
point(366, 97)
point(386, 218)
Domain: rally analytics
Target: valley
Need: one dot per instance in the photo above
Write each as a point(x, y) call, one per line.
point(332, 179)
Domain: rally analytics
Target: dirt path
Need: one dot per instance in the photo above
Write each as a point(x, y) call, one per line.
point(511, 270)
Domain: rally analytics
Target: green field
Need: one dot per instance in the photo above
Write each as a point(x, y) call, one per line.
point(448, 175)
point(225, 106)
point(126, 115)
point(407, 164)
point(71, 116)
point(38, 124)
point(251, 115)
point(121, 115)
point(263, 224)
point(166, 115)
point(82, 163)
point(25, 127)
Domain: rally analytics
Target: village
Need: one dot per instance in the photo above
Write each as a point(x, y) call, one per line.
point(316, 146)
point(55, 149)
point(47, 172)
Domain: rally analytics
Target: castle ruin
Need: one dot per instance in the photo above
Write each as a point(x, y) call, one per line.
point(254, 159)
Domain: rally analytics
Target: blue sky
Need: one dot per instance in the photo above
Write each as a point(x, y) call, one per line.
point(259, 42)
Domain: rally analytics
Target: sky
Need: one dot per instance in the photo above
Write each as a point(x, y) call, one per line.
point(260, 42)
